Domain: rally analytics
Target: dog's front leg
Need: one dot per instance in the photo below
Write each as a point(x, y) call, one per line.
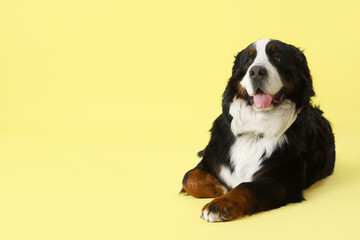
point(201, 184)
point(249, 198)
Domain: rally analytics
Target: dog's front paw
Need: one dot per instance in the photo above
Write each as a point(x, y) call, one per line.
point(221, 209)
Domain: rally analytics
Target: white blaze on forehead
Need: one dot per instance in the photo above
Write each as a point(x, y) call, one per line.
point(274, 83)
point(261, 57)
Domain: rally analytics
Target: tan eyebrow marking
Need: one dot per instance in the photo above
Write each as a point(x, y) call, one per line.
point(272, 47)
point(251, 51)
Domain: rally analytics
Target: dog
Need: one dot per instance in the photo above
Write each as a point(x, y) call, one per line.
point(270, 143)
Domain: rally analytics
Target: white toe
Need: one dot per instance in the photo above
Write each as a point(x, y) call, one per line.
point(210, 216)
point(206, 214)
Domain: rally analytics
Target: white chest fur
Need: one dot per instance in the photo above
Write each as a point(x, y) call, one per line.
point(246, 155)
point(258, 133)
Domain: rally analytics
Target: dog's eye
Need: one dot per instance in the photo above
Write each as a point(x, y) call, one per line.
point(277, 59)
point(249, 61)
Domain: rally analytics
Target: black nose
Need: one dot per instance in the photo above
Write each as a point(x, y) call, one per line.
point(258, 73)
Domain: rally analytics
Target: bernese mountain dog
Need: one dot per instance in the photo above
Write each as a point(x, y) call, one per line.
point(269, 143)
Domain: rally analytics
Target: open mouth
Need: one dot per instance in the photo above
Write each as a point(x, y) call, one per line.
point(264, 100)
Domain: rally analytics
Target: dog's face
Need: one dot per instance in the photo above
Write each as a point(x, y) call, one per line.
point(266, 73)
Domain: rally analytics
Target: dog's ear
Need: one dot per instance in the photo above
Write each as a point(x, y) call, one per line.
point(226, 100)
point(302, 62)
point(304, 74)
point(236, 65)
point(229, 90)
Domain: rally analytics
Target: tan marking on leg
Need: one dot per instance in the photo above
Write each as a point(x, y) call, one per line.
point(202, 184)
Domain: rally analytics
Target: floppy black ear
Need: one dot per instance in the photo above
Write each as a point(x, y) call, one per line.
point(302, 62)
point(304, 74)
point(236, 65)
point(230, 88)
point(226, 102)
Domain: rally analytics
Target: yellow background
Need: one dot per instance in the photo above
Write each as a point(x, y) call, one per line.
point(104, 104)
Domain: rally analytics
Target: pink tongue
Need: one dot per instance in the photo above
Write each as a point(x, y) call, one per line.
point(262, 100)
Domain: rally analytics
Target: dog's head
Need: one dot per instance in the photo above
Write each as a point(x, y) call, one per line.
point(268, 72)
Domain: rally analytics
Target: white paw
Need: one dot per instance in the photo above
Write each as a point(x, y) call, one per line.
point(210, 216)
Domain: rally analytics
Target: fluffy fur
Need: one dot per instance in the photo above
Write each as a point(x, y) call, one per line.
point(261, 157)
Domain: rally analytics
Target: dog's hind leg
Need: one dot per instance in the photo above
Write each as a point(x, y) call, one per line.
point(201, 184)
